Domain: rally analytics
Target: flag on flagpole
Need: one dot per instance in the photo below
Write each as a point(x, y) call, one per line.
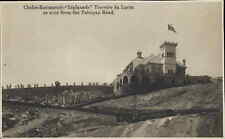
point(171, 28)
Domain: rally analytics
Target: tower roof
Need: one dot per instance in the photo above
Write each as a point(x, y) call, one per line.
point(167, 43)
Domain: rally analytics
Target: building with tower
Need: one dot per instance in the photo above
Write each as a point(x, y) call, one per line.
point(154, 71)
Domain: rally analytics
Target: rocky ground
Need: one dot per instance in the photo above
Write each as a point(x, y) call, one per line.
point(194, 125)
point(52, 123)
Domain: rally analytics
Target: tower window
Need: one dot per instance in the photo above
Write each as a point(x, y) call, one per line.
point(170, 54)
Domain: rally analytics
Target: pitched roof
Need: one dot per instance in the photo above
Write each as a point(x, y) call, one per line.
point(153, 59)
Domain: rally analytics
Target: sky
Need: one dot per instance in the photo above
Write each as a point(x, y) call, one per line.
point(43, 49)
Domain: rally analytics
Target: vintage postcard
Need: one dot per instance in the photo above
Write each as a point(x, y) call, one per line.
point(112, 69)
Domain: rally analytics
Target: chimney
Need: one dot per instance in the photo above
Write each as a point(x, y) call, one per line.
point(139, 54)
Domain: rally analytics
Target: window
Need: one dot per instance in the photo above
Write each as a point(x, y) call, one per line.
point(170, 71)
point(131, 69)
point(170, 54)
point(125, 80)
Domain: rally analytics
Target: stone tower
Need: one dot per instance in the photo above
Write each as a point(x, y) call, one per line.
point(168, 53)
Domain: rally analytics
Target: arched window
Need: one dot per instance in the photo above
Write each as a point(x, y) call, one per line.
point(125, 80)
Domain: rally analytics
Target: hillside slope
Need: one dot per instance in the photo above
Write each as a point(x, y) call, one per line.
point(193, 96)
point(177, 126)
point(199, 96)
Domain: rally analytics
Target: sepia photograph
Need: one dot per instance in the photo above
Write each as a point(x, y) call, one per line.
point(112, 69)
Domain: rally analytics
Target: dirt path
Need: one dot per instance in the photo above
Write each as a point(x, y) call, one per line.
point(13, 132)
